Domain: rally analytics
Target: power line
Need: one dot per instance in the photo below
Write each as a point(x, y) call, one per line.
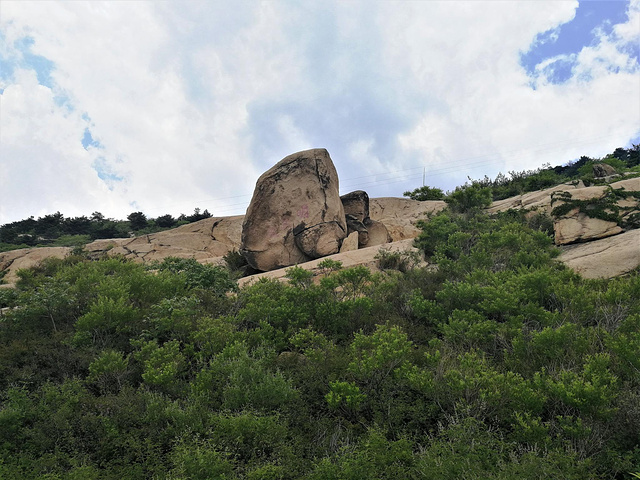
point(478, 161)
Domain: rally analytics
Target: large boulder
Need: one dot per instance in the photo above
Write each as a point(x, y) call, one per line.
point(370, 232)
point(357, 204)
point(601, 170)
point(295, 214)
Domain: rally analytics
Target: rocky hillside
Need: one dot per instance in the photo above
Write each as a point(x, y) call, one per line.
point(596, 228)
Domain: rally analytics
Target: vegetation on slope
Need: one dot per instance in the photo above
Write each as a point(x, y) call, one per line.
point(57, 231)
point(498, 364)
point(518, 183)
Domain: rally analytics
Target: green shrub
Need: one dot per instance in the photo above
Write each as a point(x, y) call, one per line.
point(425, 193)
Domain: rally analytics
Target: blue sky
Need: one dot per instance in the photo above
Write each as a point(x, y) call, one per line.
point(566, 41)
point(167, 106)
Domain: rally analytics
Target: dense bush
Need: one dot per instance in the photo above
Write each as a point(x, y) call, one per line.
point(499, 364)
point(494, 362)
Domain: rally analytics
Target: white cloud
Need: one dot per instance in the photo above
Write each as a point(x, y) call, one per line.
point(487, 102)
point(192, 101)
point(44, 167)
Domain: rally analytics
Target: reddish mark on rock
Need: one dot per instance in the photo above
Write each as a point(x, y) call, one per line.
point(303, 212)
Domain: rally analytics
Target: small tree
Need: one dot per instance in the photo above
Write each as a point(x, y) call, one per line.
point(469, 198)
point(425, 193)
point(165, 221)
point(137, 220)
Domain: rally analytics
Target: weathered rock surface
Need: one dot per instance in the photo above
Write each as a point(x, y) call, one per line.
point(362, 256)
point(370, 232)
point(377, 233)
point(357, 204)
point(401, 215)
point(15, 260)
point(295, 214)
point(606, 258)
point(205, 239)
point(540, 200)
point(577, 226)
point(356, 226)
point(208, 240)
point(350, 243)
point(603, 170)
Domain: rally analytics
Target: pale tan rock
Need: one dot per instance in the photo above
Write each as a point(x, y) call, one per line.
point(606, 258)
point(602, 170)
point(104, 245)
point(629, 184)
point(350, 243)
point(362, 256)
point(578, 227)
point(298, 194)
point(357, 204)
point(539, 200)
point(377, 233)
point(15, 260)
point(401, 215)
point(209, 238)
point(356, 226)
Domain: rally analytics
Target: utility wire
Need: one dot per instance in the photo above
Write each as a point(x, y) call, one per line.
point(383, 178)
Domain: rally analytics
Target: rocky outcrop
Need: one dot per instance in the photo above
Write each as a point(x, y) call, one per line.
point(601, 170)
point(295, 214)
point(350, 243)
point(591, 213)
point(401, 215)
point(577, 226)
point(539, 200)
point(357, 204)
point(202, 240)
point(363, 256)
point(377, 233)
point(207, 241)
point(356, 226)
point(606, 258)
point(370, 232)
point(14, 260)
point(593, 246)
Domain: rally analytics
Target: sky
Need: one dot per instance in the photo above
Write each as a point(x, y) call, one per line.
point(162, 107)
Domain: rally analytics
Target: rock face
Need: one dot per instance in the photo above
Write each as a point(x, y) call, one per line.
point(357, 204)
point(350, 243)
point(576, 226)
point(203, 240)
point(616, 206)
point(15, 260)
point(539, 200)
point(591, 246)
point(401, 215)
point(605, 258)
point(378, 233)
point(370, 232)
point(603, 170)
point(295, 214)
point(363, 256)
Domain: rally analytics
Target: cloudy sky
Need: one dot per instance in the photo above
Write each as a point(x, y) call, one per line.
point(162, 107)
